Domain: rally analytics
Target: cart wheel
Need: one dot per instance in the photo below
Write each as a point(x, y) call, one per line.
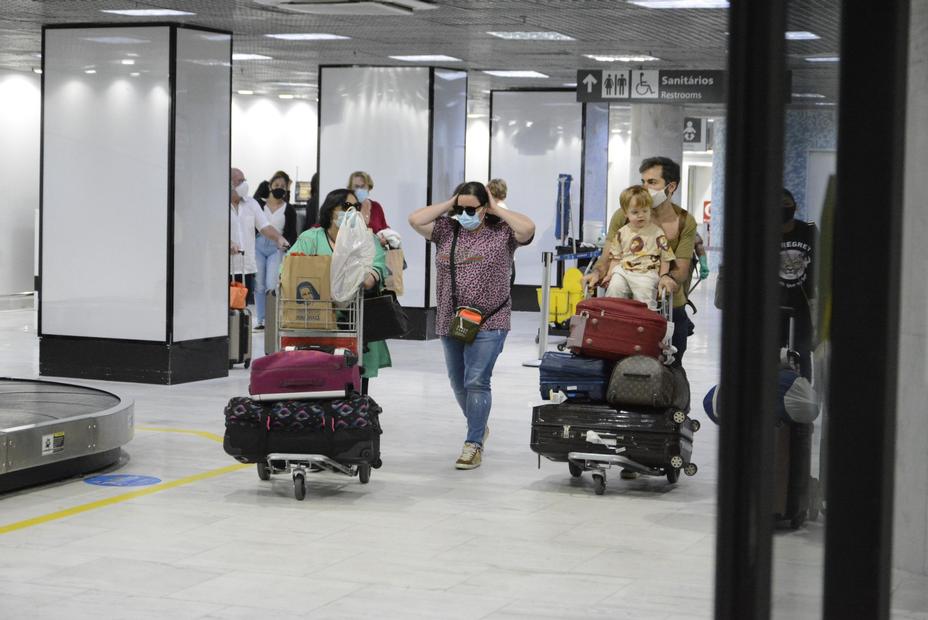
point(364, 473)
point(562, 347)
point(600, 483)
point(264, 472)
point(575, 470)
point(814, 499)
point(248, 363)
point(696, 425)
point(673, 475)
point(690, 469)
point(797, 521)
point(679, 417)
point(299, 486)
point(377, 464)
point(231, 365)
point(676, 461)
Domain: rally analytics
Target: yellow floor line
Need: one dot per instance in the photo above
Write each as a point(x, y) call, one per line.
point(183, 431)
point(116, 499)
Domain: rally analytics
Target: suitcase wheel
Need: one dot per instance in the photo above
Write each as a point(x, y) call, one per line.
point(673, 475)
point(695, 425)
point(679, 417)
point(690, 469)
point(231, 364)
point(264, 472)
point(599, 481)
point(676, 461)
point(364, 473)
point(299, 486)
point(248, 363)
point(575, 470)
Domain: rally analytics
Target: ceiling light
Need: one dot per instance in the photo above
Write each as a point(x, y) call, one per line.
point(570, 84)
point(135, 74)
point(823, 59)
point(37, 55)
point(90, 71)
point(147, 12)
point(808, 96)
point(476, 116)
point(516, 74)
point(307, 36)
point(244, 56)
point(127, 61)
point(427, 58)
point(532, 36)
point(351, 7)
point(801, 35)
point(246, 92)
point(451, 75)
point(37, 70)
point(285, 96)
point(681, 4)
point(626, 58)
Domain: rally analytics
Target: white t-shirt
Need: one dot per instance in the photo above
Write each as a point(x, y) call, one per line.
point(243, 221)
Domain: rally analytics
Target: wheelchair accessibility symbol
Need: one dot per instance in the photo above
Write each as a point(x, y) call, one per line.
point(644, 85)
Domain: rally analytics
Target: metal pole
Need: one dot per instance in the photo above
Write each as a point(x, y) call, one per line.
point(546, 258)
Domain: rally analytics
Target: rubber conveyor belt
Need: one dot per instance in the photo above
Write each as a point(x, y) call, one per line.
point(52, 430)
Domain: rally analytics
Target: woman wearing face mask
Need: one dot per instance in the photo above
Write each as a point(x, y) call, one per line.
point(474, 247)
point(361, 184)
point(320, 241)
point(282, 217)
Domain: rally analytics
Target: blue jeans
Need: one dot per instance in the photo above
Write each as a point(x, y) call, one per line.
point(268, 257)
point(470, 367)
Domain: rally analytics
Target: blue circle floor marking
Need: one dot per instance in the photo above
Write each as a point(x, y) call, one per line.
point(122, 480)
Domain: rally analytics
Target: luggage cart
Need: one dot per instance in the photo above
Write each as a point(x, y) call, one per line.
point(313, 322)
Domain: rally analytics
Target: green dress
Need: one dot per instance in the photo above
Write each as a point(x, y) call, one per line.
point(313, 242)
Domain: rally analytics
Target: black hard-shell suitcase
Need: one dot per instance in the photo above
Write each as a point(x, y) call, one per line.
point(239, 337)
point(579, 378)
point(658, 438)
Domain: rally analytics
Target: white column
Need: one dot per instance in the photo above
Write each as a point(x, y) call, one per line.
point(910, 548)
point(657, 130)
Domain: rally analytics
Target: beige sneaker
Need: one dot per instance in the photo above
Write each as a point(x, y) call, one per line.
point(470, 457)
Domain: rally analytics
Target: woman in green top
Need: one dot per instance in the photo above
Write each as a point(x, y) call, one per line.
point(321, 241)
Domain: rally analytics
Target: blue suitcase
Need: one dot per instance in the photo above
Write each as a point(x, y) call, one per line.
point(580, 378)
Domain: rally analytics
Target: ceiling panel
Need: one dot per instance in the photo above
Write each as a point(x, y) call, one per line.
point(680, 38)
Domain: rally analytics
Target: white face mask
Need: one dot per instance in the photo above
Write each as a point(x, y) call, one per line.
point(242, 189)
point(658, 197)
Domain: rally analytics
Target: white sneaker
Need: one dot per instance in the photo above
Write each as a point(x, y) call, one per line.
point(470, 456)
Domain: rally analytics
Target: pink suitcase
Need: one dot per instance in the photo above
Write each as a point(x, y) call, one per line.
point(305, 371)
point(611, 329)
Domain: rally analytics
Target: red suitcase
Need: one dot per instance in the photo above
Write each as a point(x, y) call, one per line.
point(611, 328)
point(289, 373)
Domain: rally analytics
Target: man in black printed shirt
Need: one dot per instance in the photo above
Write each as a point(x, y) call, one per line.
point(797, 286)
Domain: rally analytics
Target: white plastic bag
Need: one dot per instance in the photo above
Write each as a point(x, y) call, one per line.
point(352, 258)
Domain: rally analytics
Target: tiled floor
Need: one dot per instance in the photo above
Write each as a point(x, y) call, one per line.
point(422, 540)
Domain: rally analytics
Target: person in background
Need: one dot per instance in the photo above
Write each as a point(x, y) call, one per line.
point(312, 206)
point(361, 184)
point(483, 238)
point(797, 285)
point(261, 194)
point(320, 241)
point(244, 217)
point(500, 190)
point(703, 258)
point(282, 216)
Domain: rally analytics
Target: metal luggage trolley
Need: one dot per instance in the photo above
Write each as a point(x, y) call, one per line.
point(308, 322)
point(579, 462)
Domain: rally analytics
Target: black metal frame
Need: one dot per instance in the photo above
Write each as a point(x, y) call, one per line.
point(152, 364)
point(865, 333)
point(754, 182)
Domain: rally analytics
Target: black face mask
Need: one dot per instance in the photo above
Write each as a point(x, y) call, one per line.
point(279, 193)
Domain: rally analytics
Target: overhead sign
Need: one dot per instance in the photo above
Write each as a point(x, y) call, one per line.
point(651, 86)
point(694, 134)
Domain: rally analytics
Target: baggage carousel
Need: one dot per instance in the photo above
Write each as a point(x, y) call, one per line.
point(50, 431)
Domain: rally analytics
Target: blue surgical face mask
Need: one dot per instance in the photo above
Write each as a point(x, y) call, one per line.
point(360, 193)
point(341, 219)
point(468, 222)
